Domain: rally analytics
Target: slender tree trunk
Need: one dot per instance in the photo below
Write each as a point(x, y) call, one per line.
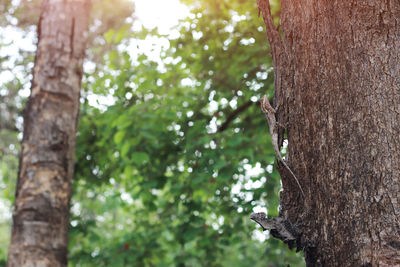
point(337, 85)
point(41, 214)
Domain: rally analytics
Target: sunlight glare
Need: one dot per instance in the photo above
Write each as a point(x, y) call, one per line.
point(159, 13)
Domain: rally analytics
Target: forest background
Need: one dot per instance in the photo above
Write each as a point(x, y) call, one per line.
point(173, 153)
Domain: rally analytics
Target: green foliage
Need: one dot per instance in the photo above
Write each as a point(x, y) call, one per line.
point(170, 172)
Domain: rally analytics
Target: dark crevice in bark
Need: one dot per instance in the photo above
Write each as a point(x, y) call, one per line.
point(71, 40)
point(58, 96)
point(310, 255)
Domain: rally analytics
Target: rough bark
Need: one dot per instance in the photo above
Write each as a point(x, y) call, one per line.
point(41, 213)
point(337, 84)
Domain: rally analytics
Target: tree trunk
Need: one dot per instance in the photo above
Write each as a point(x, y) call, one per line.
point(41, 214)
point(337, 88)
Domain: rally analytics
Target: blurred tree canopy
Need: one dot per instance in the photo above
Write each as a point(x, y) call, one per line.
point(170, 168)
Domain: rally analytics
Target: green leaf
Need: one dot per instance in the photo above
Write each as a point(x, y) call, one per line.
point(125, 149)
point(108, 35)
point(118, 137)
point(140, 158)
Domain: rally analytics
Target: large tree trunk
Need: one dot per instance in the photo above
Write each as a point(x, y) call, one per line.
point(41, 214)
point(337, 85)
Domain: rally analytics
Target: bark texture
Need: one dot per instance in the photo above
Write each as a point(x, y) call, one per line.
point(41, 214)
point(337, 87)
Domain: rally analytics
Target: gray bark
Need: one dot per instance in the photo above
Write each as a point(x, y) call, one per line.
point(337, 85)
point(41, 213)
